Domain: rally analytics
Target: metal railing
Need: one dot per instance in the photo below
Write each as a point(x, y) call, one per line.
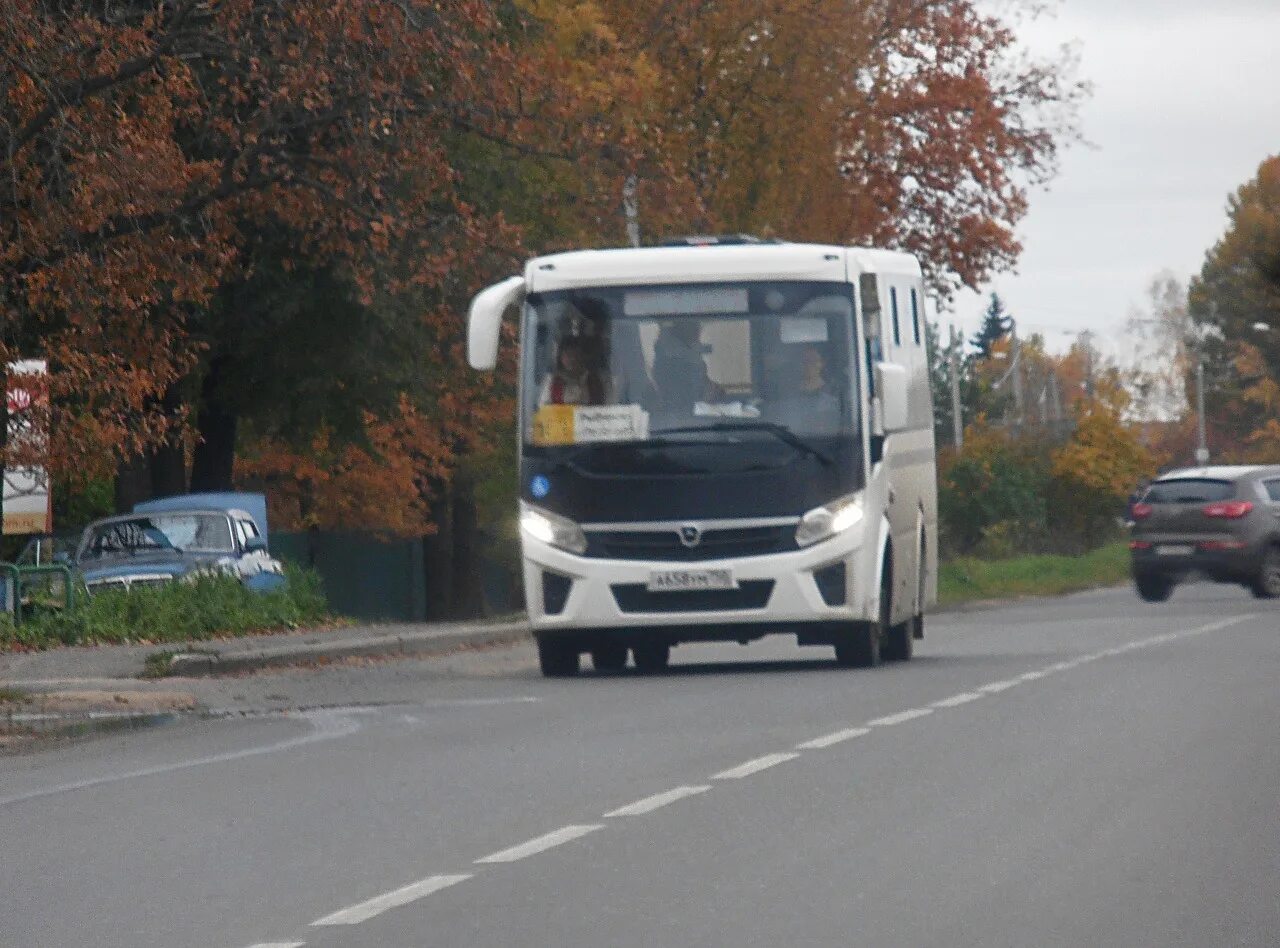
point(9, 585)
point(23, 588)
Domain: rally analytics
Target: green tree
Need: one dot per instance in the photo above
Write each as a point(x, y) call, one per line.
point(996, 324)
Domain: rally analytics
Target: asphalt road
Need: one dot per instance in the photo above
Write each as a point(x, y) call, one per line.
point(1092, 771)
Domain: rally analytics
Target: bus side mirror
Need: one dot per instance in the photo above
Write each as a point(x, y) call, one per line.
point(484, 321)
point(891, 384)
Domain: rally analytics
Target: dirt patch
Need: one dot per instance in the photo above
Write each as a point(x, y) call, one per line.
point(144, 702)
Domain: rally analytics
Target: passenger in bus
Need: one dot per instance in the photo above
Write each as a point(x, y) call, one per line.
point(812, 402)
point(679, 369)
point(576, 379)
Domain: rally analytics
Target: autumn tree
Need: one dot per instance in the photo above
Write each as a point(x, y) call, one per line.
point(916, 125)
point(1235, 305)
point(175, 174)
point(1238, 290)
point(1098, 466)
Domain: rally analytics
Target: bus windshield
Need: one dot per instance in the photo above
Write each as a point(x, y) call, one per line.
point(704, 362)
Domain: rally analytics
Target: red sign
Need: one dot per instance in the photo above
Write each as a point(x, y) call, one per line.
point(19, 400)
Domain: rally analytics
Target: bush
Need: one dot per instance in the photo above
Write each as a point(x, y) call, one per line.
point(179, 612)
point(995, 491)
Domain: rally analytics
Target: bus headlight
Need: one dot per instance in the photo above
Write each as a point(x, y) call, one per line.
point(552, 529)
point(829, 520)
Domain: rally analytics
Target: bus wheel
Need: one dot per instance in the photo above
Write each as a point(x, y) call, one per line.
point(609, 657)
point(858, 646)
point(900, 643)
point(651, 656)
point(557, 657)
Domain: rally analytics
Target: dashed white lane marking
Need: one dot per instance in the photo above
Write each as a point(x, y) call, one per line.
point(565, 834)
point(417, 890)
point(754, 766)
point(830, 740)
point(956, 700)
point(657, 801)
point(389, 900)
point(901, 717)
point(996, 687)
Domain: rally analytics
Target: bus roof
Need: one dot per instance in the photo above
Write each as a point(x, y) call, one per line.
point(712, 263)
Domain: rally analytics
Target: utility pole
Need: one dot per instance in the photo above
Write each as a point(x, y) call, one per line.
point(1086, 340)
point(1019, 397)
point(1202, 446)
point(957, 421)
point(631, 208)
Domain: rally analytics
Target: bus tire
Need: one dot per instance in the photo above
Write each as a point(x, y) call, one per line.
point(608, 657)
point(899, 644)
point(651, 657)
point(858, 646)
point(557, 657)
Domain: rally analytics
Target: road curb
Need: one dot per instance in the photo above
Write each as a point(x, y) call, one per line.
point(213, 662)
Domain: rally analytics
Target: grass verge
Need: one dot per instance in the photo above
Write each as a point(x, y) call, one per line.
point(209, 607)
point(967, 579)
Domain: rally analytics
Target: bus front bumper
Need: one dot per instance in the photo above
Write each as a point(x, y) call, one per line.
point(816, 585)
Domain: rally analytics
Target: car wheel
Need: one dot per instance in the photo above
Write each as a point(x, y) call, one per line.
point(651, 656)
point(609, 657)
point(557, 658)
point(1154, 587)
point(1267, 583)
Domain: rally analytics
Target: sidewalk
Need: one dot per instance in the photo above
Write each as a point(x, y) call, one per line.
point(71, 692)
point(95, 665)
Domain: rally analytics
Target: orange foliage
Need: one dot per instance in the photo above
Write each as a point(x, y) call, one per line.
point(379, 486)
point(140, 145)
point(914, 125)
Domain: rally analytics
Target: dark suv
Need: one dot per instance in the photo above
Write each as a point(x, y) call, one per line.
point(1222, 523)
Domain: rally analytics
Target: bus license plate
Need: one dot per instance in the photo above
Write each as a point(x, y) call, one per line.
point(1175, 549)
point(691, 580)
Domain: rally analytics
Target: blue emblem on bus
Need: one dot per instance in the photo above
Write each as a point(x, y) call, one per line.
point(540, 486)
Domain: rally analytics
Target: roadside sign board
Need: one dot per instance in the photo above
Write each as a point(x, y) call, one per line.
point(27, 502)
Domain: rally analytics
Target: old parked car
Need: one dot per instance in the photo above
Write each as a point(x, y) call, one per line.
point(178, 538)
point(1221, 523)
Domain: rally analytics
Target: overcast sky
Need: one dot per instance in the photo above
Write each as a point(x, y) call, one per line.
point(1186, 105)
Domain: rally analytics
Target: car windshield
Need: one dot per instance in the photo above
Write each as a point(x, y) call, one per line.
point(184, 532)
point(1189, 491)
point(707, 362)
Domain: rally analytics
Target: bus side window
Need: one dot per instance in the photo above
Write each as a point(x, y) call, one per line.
point(893, 306)
point(869, 297)
point(915, 315)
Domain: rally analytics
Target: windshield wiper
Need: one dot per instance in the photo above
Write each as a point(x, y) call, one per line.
point(781, 432)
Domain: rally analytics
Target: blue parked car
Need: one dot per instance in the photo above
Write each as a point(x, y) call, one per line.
point(180, 538)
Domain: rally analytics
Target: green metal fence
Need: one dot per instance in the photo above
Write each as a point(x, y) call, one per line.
point(366, 577)
point(24, 589)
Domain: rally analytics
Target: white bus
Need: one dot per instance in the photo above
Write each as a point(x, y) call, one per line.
point(720, 440)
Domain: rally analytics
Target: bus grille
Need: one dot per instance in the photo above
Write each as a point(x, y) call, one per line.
point(665, 545)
